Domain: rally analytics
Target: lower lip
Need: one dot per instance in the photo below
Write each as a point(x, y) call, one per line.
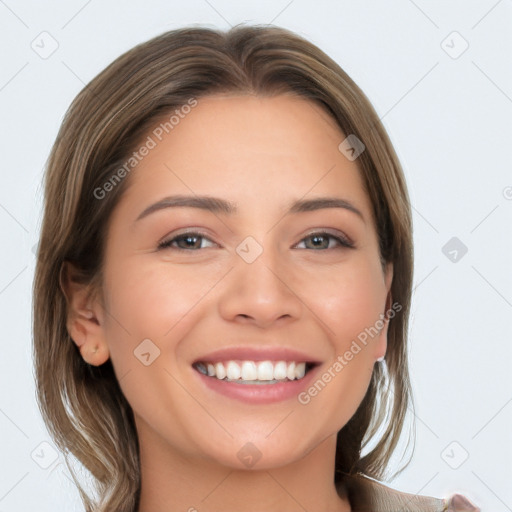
point(258, 393)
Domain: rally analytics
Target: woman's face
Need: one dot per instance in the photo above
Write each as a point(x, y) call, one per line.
point(259, 281)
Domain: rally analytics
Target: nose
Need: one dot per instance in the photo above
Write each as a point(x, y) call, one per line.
point(260, 293)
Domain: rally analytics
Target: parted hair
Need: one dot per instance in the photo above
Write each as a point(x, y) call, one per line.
point(83, 406)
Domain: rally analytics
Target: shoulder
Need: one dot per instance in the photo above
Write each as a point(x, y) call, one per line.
point(366, 494)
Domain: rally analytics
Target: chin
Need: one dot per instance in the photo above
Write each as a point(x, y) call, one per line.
point(258, 452)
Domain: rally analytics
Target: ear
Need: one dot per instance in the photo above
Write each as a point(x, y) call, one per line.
point(84, 317)
point(382, 339)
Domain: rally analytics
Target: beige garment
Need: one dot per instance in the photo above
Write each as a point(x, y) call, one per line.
point(368, 495)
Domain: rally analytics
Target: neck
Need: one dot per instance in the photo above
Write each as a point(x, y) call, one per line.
point(174, 481)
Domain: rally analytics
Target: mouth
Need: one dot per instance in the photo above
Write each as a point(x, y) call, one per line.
point(248, 372)
point(255, 375)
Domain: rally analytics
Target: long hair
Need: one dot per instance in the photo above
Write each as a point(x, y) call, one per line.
point(82, 405)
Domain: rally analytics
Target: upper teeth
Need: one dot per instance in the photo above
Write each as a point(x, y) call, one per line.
point(254, 371)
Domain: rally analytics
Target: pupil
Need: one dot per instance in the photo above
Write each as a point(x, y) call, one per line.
point(189, 240)
point(317, 240)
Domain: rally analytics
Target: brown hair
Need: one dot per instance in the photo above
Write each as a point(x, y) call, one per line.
point(83, 406)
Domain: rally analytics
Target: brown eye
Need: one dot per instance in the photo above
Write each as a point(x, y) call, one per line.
point(186, 241)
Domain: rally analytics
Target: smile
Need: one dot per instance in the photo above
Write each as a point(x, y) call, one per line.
point(254, 372)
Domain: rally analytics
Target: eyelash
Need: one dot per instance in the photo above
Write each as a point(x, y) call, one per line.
point(343, 242)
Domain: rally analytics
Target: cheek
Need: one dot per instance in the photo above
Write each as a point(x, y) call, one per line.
point(350, 301)
point(158, 303)
point(151, 300)
point(353, 300)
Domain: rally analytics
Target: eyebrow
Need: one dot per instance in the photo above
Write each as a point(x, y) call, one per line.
point(218, 205)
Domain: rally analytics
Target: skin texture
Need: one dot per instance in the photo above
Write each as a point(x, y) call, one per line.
point(262, 154)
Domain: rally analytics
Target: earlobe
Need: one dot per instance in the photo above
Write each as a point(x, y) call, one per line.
point(95, 356)
point(84, 317)
point(382, 339)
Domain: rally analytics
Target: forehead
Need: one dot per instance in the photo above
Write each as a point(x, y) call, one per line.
point(246, 147)
point(284, 124)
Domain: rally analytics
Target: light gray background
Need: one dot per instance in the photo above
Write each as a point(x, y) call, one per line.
point(449, 118)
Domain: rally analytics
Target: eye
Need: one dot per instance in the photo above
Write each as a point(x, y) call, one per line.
point(322, 240)
point(185, 241)
point(192, 241)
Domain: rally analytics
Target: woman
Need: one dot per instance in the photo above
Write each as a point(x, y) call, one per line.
point(223, 282)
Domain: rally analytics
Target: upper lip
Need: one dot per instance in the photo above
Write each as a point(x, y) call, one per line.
point(257, 354)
